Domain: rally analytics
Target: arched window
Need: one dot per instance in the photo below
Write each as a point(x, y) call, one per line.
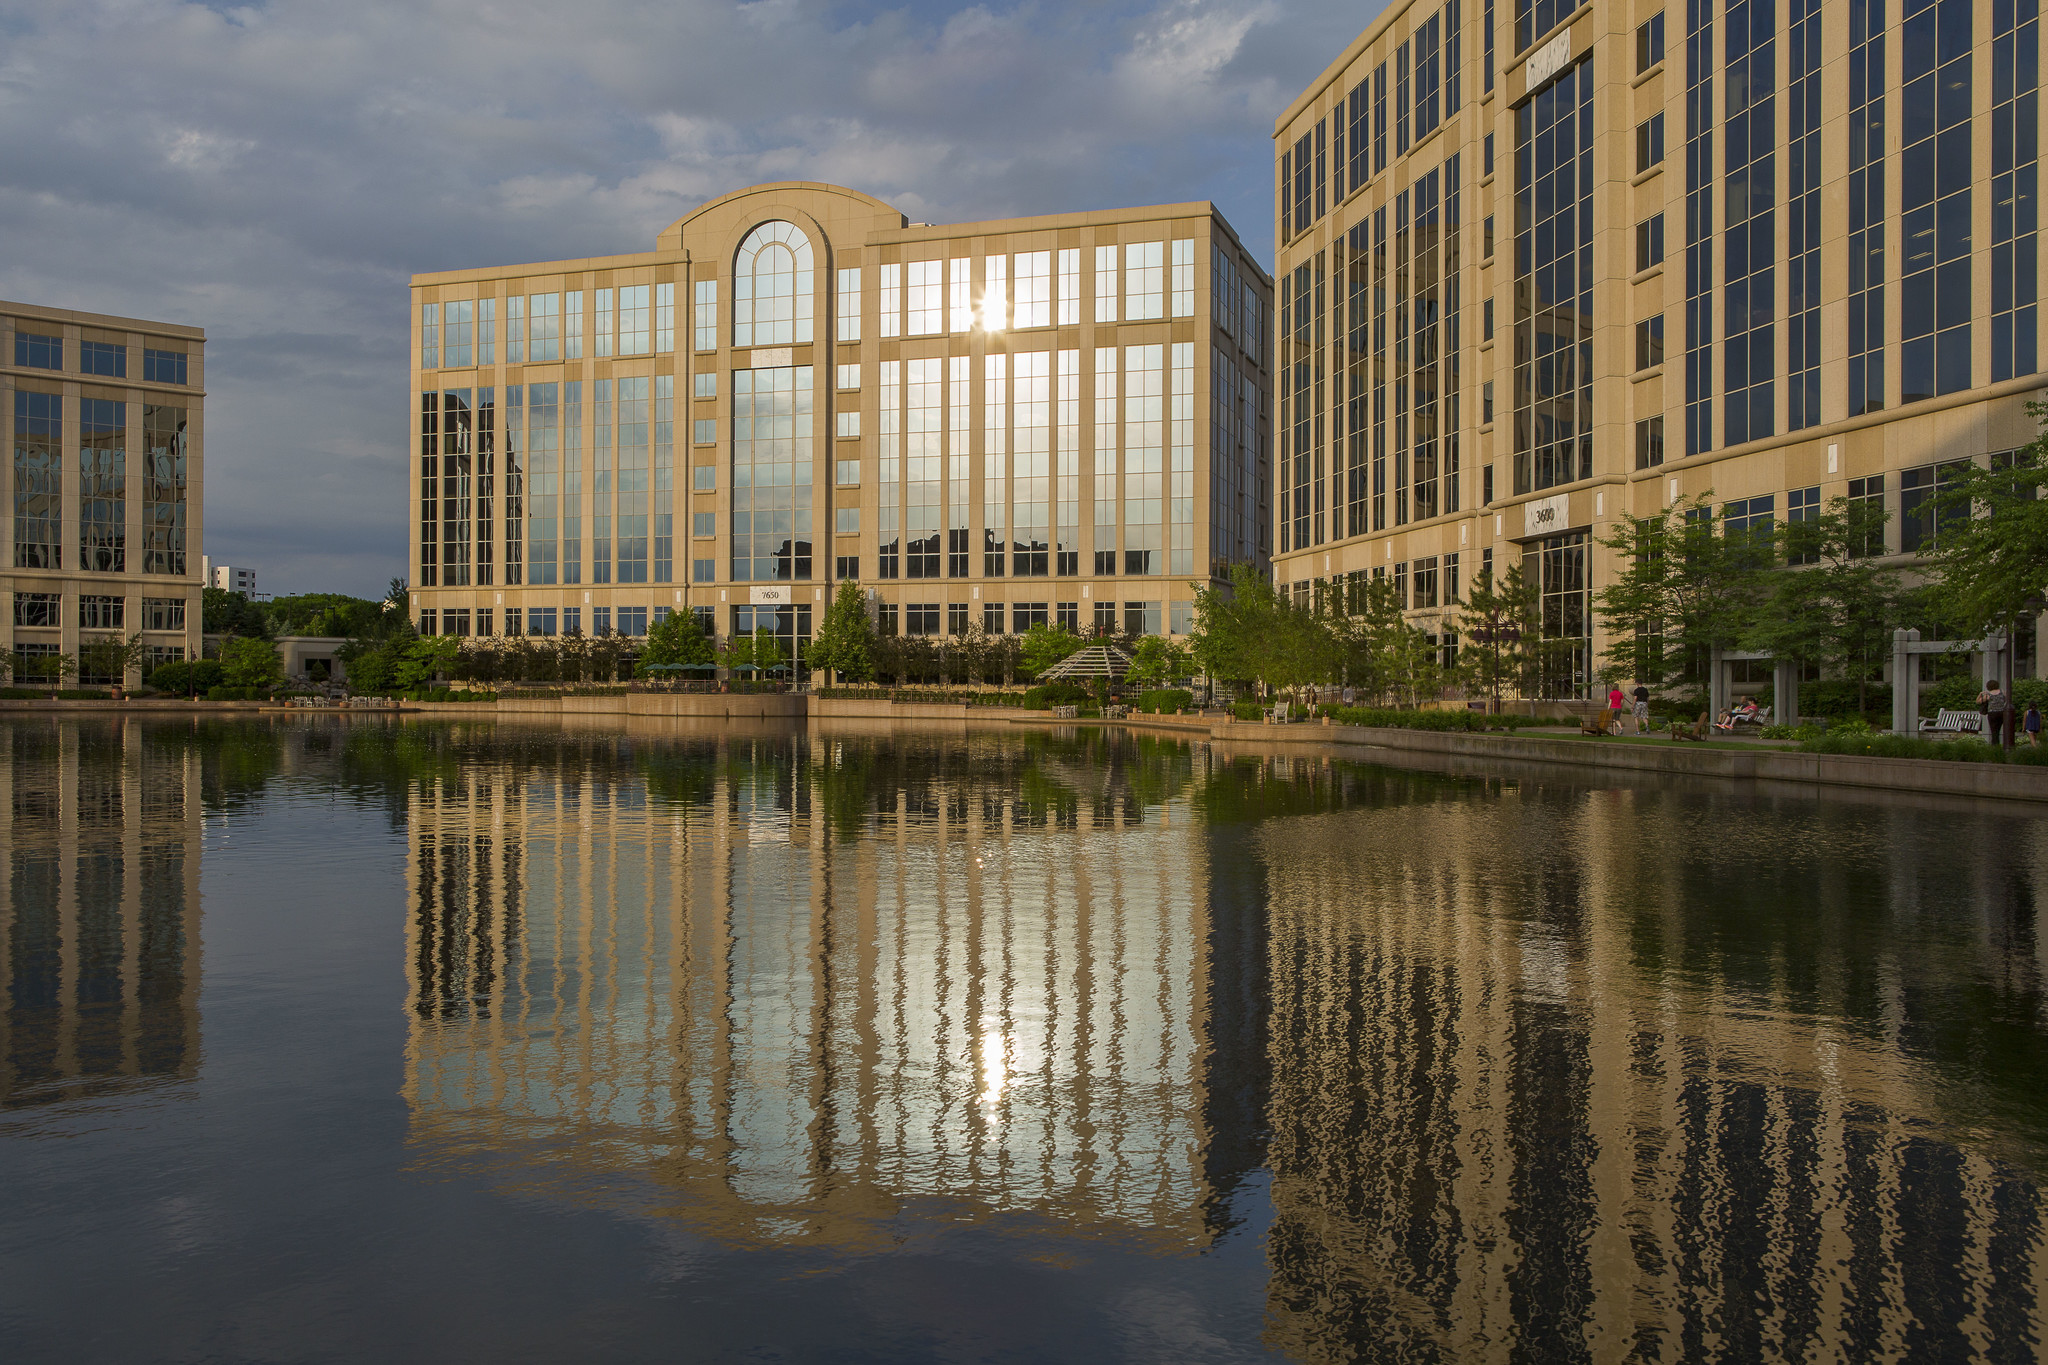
point(771, 287)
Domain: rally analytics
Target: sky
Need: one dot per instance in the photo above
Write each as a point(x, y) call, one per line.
point(275, 173)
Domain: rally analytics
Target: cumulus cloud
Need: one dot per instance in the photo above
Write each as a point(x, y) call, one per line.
point(275, 171)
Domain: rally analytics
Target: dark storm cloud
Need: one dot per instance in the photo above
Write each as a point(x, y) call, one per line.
point(274, 172)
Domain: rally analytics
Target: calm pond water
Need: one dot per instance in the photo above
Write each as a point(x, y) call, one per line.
point(347, 1040)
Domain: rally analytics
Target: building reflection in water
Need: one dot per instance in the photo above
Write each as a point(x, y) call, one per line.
point(100, 929)
point(1601, 1075)
point(1531, 1071)
point(794, 981)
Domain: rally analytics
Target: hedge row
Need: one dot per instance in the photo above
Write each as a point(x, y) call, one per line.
point(1424, 720)
point(1048, 695)
point(1877, 744)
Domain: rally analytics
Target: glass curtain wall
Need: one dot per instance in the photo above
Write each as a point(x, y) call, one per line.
point(1699, 227)
point(163, 489)
point(923, 465)
point(541, 483)
point(889, 470)
point(483, 538)
point(995, 434)
point(102, 485)
point(1802, 226)
point(1144, 437)
point(38, 496)
point(629, 541)
point(959, 463)
point(1936, 90)
point(1557, 565)
point(2015, 158)
point(601, 490)
point(1866, 206)
point(1554, 283)
point(1031, 489)
point(1067, 554)
point(1432, 381)
point(771, 474)
point(1749, 239)
point(1105, 459)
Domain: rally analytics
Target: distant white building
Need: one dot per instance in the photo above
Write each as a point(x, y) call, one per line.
point(229, 577)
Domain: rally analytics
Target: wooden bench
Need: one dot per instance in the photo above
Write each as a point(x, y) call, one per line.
point(1696, 733)
point(1598, 723)
point(1948, 722)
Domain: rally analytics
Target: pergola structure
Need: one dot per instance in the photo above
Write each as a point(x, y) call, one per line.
point(1096, 661)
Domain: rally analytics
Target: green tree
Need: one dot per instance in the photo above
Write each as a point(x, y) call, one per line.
point(767, 652)
point(1991, 542)
point(1233, 626)
point(1830, 605)
point(483, 660)
point(967, 655)
point(1043, 646)
point(110, 656)
point(1500, 622)
point(423, 659)
point(232, 613)
point(591, 658)
point(43, 670)
point(324, 613)
point(1158, 661)
point(250, 663)
point(1683, 587)
point(845, 639)
point(677, 638)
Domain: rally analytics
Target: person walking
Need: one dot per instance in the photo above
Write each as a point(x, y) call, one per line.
point(1642, 695)
point(1996, 707)
point(2032, 724)
point(1617, 706)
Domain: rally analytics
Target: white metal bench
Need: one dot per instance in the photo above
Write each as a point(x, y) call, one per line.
point(1953, 723)
point(1759, 720)
point(1065, 712)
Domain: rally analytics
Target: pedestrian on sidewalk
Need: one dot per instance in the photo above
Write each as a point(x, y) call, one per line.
point(1642, 695)
point(1996, 707)
point(2032, 724)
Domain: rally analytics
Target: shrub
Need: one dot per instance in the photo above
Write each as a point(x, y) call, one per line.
point(1161, 700)
point(1848, 739)
point(63, 694)
point(1056, 694)
point(1247, 710)
point(198, 675)
point(1424, 720)
point(237, 693)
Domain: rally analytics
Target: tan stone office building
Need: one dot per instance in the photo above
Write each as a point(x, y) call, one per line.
point(104, 484)
point(1038, 419)
point(1543, 263)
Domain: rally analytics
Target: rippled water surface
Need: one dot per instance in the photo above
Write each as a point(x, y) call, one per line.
point(333, 1040)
